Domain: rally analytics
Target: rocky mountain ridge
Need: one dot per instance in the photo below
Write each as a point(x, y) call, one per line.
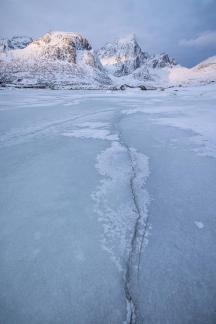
point(124, 56)
point(57, 59)
point(67, 60)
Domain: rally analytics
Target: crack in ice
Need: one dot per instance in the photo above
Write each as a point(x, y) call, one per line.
point(123, 215)
point(140, 227)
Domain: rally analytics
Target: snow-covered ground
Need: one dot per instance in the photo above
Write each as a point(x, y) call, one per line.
point(108, 206)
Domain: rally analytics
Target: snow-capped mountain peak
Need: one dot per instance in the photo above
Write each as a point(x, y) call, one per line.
point(122, 56)
point(56, 58)
point(62, 45)
point(55, 46)
point(16, 42)
point(66, 59)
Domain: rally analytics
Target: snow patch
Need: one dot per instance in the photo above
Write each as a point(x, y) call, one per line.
point(92, 130)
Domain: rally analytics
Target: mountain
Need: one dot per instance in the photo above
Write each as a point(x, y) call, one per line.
point(160, 61)
point(16, 42)
point(67, 60)
point(204, 72)
point(57, 59)
point(123, 56)
point(127, 63)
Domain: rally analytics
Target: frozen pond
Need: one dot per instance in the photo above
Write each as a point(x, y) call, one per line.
point(108, 207)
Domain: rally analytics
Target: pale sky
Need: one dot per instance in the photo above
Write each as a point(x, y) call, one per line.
point(186, 29)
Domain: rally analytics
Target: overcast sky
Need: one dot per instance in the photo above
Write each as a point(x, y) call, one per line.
point(186, 29)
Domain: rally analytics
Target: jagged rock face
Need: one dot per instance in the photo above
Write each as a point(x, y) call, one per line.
point(16, 42)
point(122, 57)
point(61, 46)
point(160, 61)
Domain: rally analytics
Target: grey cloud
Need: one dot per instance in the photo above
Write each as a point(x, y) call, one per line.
point(206, 39)
point(159, 25)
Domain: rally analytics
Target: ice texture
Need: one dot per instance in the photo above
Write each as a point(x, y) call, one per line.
point(108, 206)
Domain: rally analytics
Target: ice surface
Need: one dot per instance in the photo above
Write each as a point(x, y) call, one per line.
point(108, 206)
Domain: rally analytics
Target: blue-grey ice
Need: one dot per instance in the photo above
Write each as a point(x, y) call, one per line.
point(108, 204)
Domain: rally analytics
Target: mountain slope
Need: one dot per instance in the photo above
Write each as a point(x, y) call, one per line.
point(204, 72)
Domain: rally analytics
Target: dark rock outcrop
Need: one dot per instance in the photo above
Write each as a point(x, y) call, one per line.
point(16, 42)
